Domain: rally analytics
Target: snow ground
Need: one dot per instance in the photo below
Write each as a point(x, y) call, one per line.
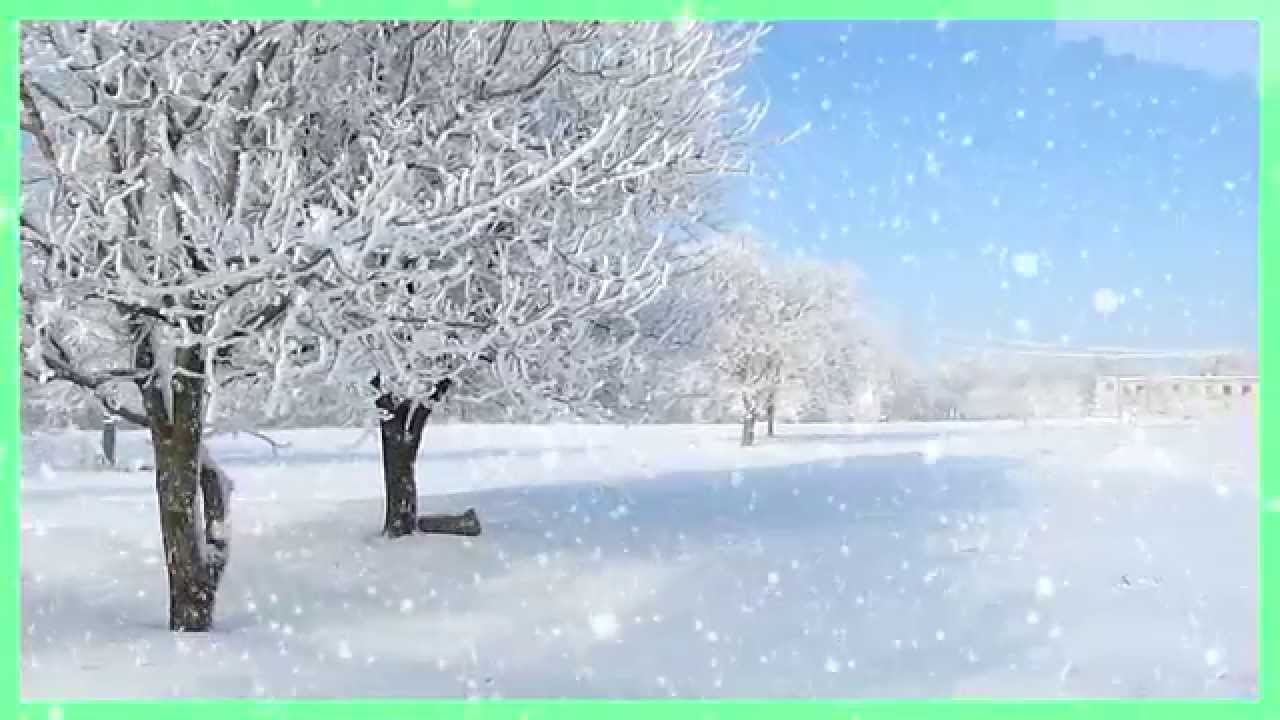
point(1082, 559)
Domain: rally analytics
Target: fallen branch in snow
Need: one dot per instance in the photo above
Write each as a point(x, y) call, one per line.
point(467, 524)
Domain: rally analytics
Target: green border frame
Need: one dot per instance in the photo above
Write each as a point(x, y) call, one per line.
point(13, 12)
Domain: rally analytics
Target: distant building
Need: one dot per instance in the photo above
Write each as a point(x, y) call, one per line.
point(1177, 396)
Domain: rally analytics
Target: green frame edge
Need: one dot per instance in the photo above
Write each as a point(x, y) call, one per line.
point(12, 14)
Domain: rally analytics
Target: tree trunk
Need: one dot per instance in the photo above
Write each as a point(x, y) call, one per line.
point(109, 440)
point(194, 559)
point(748, 429)
point(771, 411)
point(403, 423)
point(191, 589)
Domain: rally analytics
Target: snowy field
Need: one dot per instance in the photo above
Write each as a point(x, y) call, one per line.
point(939, 560)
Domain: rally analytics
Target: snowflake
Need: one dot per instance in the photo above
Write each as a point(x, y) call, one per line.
point(604, 625)
point(1106, 301)
point(1026, 264)
point(1044, 587)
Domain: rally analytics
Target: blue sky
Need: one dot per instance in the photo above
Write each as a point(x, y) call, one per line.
point(1093, 184)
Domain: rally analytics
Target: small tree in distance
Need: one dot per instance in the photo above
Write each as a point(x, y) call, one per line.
point(779, 330)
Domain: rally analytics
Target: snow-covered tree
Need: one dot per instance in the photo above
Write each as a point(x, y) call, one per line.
point(828, 355)
point(737, 359)
point(666, 380)
point(769, 332)
point(502, 211)
point(1000, 385)
point(166, 238)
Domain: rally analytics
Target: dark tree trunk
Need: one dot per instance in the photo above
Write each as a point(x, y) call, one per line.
point(194, 560)
point(109, 440)
point(402, 425)
point(770, 411)
point(191, 590)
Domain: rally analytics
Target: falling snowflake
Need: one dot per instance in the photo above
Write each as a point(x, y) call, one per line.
point(1044, 587)
point(931, 164)
point(604, 625)
point(932, 452)
point(1106, 301)
point(1026, 264)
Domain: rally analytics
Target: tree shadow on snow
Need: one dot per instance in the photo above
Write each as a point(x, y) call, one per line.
point(829, 579)
point(770, 500)
point(798, 564)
